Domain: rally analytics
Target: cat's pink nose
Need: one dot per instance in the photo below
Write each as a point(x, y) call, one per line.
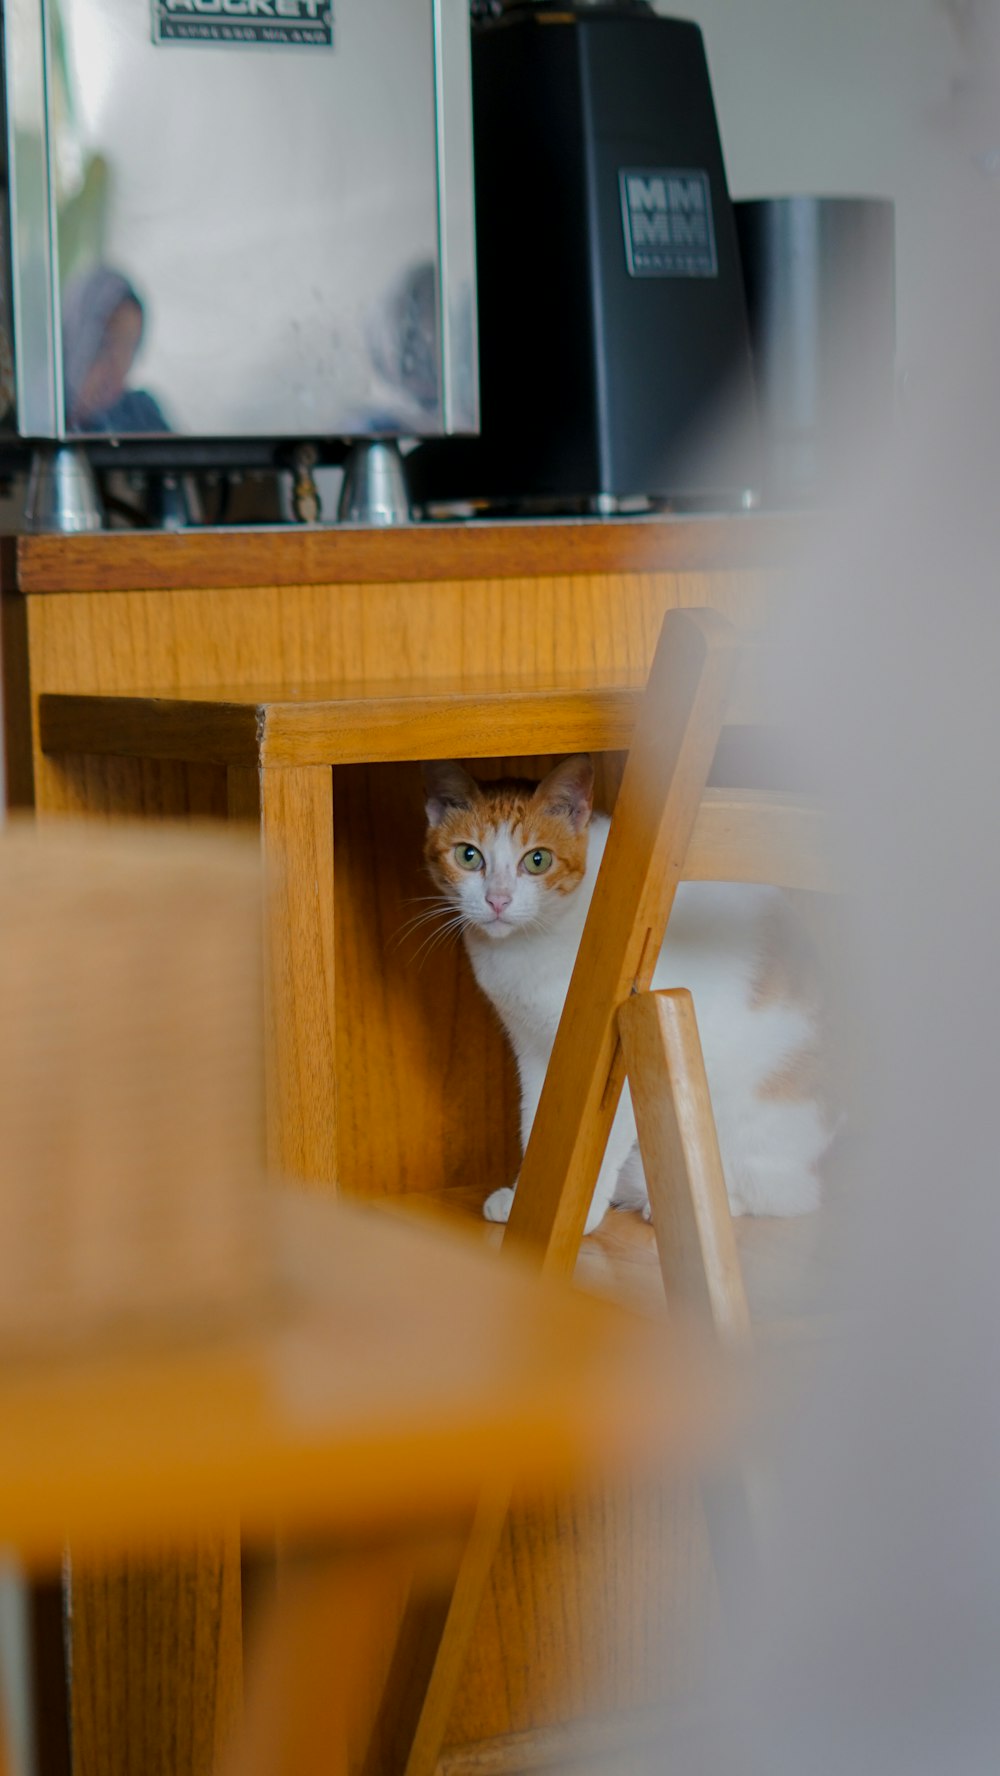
point(498, 901)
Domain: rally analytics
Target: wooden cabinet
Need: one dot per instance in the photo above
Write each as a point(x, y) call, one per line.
point(591, 1609)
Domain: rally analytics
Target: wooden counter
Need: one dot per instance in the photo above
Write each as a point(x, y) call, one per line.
point(590, 1609)
point(287, 555)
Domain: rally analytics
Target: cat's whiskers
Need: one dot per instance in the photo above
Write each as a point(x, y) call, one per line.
point(539, 923)
point(437, 938)
point(452, 927)
point(417, 921)
point(441, 906)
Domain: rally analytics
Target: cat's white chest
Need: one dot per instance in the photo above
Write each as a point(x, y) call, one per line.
point(526, 981)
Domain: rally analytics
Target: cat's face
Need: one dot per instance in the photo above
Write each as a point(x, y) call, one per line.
point(507, 855)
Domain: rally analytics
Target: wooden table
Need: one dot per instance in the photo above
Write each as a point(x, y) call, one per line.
point(419, 632)
point(315, 1412)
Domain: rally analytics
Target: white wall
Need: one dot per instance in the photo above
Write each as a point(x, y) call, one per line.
point(850, 98)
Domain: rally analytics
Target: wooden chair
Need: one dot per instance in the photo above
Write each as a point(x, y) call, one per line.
point(665, 825)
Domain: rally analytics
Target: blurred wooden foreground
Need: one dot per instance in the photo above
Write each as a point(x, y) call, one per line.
point(180, 1350)
point(130, 1081)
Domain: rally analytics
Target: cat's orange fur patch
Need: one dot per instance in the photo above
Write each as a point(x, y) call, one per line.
point(801, 1079)
point(789, 973)
point(509, 802)
point(788, 970)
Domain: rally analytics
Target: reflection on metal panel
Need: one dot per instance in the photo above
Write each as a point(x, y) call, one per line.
point(35, 357)
point(249, 238)
point(456, 217)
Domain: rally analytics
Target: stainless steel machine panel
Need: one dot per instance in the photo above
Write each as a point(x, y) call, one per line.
point(241, 218)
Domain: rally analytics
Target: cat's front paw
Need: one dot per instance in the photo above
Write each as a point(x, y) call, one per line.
point(497, 1206)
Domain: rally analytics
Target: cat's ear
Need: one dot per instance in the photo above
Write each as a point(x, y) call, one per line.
point(447, 786)
point(569, 791)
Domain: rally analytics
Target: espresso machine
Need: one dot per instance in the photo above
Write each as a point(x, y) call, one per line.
point(235, 232)
point(615, 364)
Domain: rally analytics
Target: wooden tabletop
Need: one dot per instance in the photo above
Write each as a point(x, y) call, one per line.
point(391, 1371)
point(367, 720)
point(760, 831)
point(348, 722)
point(292, 555)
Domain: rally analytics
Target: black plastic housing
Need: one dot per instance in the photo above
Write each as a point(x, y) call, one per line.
point(598, 379)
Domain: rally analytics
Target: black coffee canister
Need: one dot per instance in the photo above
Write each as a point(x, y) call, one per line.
point(820, 286)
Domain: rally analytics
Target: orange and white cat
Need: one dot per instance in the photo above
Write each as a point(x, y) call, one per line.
point(515, 864)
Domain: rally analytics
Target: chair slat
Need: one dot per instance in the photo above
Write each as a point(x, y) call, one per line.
point(749, 835)
point(680, 1156)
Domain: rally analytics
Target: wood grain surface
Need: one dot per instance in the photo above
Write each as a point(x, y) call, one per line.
point(601, 627)
point(291, 556)
point(297, 838)
point(695, 1236)
point(360, 721)
point(171, 1629)
point(340, 727)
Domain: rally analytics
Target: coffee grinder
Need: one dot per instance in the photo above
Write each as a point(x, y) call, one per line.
point(615, 364)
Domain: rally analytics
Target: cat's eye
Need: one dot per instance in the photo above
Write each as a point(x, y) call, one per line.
point(468, 858)
point(537, 862)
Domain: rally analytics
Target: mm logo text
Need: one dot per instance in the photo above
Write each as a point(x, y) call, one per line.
point(667, 218)
point(275, 24)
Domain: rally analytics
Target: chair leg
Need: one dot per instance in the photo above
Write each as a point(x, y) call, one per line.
point(432, 1650)
point(311, 1667)
point(699, 1260)
point(680, 1154)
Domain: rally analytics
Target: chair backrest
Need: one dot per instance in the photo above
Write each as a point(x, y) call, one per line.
point(667, 826)
point(673, 745)
point(758, 834)
point(753, 835)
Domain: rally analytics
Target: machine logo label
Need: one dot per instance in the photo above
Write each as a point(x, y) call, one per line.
point(667, 218)
point(264, 24)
